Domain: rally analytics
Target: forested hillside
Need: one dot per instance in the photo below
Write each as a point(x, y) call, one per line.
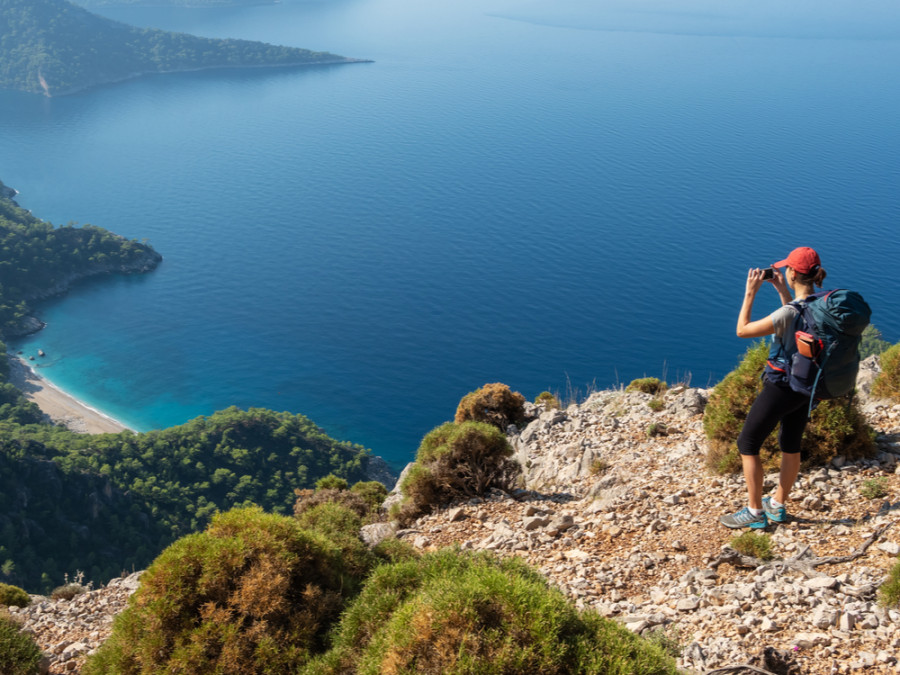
point(55, 47)
point(37, 259)
point(102, 504)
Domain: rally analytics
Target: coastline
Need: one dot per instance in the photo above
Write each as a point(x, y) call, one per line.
point(145, 73)
point(58, 405)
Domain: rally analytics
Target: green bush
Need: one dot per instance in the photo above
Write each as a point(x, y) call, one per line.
point(889, 592)
point(332, 482)
point(13, 596)
point(647, 385)
point(310, 499)
point(373, 492)
point(450, 612)
point(254, 593)
point(493, 404)
point(887, 384)
point(548, 400)
point(67, 591)
point(656, 404)
point(871, 342)
point(752, 544)
point(19, 655)
point(457, 460)
point(835, 428)
point(874, 488)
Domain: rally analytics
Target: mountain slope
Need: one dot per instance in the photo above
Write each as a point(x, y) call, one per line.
point(54, 47)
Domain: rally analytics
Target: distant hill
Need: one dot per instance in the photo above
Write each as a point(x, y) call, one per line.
point(55, 47)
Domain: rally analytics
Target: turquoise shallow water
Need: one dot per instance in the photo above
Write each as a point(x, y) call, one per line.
point(556, 196)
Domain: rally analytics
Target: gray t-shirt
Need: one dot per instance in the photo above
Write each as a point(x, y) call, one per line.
point(785, 323)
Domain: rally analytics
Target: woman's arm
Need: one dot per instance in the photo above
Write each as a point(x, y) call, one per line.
point(745, 327)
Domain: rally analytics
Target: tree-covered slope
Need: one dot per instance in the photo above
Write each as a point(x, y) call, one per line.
point(38, 259)
point(55, 47)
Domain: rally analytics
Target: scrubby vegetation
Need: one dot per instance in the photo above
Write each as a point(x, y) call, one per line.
point(836, 427)
point(887, 384)
point(753, 544)
point(647, 385)
point(457, 460)
point(871, 342)
point(493, 404)
point(19, 655)
point(451, 612)
point(254, 593)
point(262, 593)
point(874, 488)
point(548, 400)
point(889, 593)
point(13, 596)
point(363, 499)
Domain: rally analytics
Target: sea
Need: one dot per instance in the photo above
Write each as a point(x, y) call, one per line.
point(560, 196)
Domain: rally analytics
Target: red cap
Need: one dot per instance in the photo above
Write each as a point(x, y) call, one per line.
point(803, 260)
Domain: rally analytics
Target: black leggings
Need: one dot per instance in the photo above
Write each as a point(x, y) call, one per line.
point(775, 404)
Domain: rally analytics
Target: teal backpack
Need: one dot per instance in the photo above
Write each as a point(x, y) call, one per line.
point(824, 360)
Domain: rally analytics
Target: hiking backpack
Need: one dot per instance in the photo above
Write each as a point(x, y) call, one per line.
point(824, 360)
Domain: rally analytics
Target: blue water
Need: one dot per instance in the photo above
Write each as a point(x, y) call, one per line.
point(557, 196)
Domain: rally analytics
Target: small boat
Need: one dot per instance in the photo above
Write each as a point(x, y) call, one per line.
point(41, 352)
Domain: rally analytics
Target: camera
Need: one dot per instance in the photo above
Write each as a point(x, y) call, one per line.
point(769, 273)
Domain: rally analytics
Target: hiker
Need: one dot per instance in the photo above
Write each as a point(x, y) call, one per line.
point(778, 402)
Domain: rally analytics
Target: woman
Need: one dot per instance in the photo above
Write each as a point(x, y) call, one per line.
point(777, 403)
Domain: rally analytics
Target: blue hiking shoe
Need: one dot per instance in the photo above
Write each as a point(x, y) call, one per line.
point(776, 515)
point(744, 518)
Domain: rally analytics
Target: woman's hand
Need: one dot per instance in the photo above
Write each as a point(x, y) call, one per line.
point(780, 284)
point(754, 280)
point(747, 328)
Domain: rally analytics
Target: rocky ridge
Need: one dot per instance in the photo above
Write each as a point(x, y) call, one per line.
point(621, 514)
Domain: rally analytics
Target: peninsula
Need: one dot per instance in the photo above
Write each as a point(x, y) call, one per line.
point(54, 47)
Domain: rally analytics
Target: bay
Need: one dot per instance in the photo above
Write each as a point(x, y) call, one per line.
point(556, 196)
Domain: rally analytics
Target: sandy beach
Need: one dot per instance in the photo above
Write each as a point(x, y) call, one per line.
point(59, 406)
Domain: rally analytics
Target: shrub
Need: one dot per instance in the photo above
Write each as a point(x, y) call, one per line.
point(835, 428)
point(457, 460)
point(871, 342)
point(13, 596)
point(887, 384)
point(874, 488)
point(341, 526)
point(332, 482)
point(310, 499)
point(493, 404)
point(373, 492)
point(548, 400)
point(756, 545)
point(727, 409)
point(450, 612)
point(599, 466)
point(656, 404)
point(19, 655)
point(889, 592)
point(647, 385)
point(67, 591)
point(657, 429)
point(254, 593)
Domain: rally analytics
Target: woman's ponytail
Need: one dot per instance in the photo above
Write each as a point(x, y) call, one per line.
point(819, 278)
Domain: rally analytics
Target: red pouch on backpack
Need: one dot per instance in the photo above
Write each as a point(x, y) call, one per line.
point(807, 344)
